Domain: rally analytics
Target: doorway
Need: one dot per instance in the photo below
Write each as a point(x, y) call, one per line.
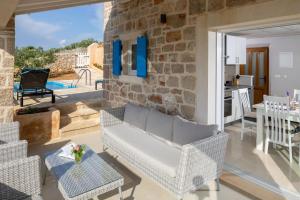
point(273, 74)
point(257, 66)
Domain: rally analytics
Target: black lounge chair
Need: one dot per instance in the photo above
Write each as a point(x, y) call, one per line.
point(33, 83)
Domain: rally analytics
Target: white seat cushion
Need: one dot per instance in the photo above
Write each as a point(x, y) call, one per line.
point(157, 153)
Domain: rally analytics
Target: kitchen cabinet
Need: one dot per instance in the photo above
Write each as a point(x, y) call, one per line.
point(235, 108)
point(236, 50)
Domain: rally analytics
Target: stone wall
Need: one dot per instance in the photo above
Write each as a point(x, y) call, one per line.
point(64, 64)
point(172, 50)
point(7, 48)
point(171, 54)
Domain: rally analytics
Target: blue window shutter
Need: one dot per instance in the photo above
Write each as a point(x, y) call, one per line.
point(117, 51)
point(141, 56)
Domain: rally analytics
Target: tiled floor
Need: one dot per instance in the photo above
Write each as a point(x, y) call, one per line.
point(137, 186)
point(273, 167)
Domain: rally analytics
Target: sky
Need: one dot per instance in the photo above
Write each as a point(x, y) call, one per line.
point(58, 28)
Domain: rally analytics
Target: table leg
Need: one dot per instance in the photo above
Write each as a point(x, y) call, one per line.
point(120, 193)
point(259, 130)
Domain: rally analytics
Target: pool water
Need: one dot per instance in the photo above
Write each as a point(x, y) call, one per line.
point(53, 85)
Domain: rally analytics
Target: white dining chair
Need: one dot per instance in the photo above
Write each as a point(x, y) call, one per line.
point(248, 117)
point(279, 129)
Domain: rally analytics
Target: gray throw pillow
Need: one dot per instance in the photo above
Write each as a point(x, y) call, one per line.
point(160, 124)
point(186, 132)
point(136, 115)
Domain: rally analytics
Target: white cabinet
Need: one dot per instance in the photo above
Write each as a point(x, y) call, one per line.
point(242, 51)
point(231, 58)
point(235, 108)
point(236, 50)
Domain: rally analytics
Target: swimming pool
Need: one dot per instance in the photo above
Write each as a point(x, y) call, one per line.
point(53, 85)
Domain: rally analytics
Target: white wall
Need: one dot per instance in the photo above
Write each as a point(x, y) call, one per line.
point(206, 77)
point(201, 114)
point(289, 77)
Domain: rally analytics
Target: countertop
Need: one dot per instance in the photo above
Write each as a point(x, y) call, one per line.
point(236, 87)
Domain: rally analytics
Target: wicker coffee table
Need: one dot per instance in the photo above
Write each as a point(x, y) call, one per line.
point(86, 180)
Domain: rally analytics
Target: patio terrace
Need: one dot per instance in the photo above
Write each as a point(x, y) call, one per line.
point(137, 186)
point(183, 83)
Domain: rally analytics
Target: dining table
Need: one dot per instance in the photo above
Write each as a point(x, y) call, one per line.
point(260, 112)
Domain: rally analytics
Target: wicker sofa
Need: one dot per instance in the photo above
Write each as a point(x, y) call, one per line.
point(20, 176)
point(179, 155)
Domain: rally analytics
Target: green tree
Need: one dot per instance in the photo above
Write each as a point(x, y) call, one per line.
point(33, 57)
point(82, 44)
point(38, 57)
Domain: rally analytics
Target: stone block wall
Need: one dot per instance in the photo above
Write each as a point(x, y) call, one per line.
point(7, 49)
point(171, 54)
point(64, 64)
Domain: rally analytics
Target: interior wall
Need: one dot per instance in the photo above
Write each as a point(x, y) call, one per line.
point(281, 79)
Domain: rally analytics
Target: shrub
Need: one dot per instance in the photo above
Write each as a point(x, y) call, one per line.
point(98, 66)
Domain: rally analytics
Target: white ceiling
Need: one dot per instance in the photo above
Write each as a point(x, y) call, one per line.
point(7, 8)
point(270, 32)
point(29, 6)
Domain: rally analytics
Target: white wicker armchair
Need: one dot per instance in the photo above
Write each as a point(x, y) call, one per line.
point(200, 162)
point(9, 132)
point(20, 177)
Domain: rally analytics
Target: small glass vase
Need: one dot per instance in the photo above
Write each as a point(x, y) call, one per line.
point(78, 158)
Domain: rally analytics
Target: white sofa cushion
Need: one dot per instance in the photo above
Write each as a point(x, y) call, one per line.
point(186, 132)
point(136, 115)
point(155, 152)
point(160, 124)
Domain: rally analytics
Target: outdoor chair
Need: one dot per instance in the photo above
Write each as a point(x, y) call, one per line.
point(248, 117)
point(279, 128)
point(9, 132)
point(20, 177)
point(33, 83)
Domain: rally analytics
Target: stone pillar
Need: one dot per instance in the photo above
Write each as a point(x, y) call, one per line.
point(7, 49)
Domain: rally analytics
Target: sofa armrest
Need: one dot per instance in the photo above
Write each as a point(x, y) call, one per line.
point(111, 116)
point(13, 151)
point(20, 178)
point(9, 132)
point(201, 162)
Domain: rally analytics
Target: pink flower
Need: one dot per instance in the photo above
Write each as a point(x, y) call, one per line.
point(77, 148)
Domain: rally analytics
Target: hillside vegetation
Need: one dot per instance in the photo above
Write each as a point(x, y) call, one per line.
point(37, 57)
